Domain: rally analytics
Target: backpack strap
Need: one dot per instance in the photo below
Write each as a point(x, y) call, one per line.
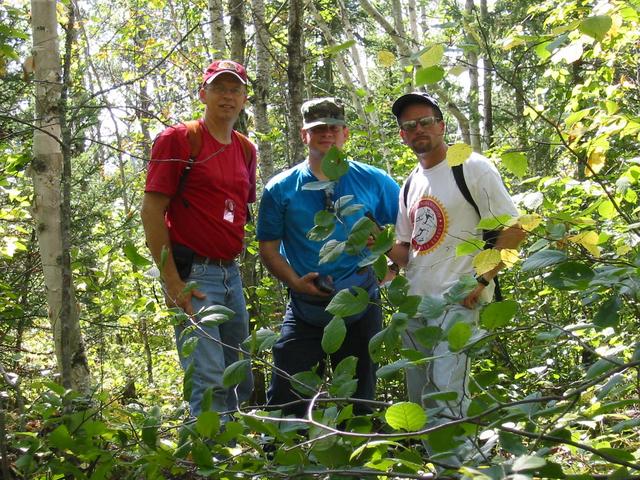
point(407, 184)
point(194, 137)
point(489, 236)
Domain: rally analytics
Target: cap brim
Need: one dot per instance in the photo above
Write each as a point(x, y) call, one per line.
point(408, 99)
point(324, 121)
point(217, 74)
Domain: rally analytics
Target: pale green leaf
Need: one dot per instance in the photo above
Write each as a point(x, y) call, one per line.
point(406, 416)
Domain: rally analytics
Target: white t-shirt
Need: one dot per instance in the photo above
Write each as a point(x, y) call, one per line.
point(437, 219)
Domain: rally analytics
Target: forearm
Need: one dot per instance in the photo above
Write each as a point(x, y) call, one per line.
point(157, 237)
point(399, 254)
point(277, 264)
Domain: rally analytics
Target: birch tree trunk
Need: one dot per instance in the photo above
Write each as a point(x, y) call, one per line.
point(295, 76)
point(48, 209)
point(413, 21)
point(216, 17)
point(474, 86)
point(261, 90)
point(487, 85)
point(236, 30)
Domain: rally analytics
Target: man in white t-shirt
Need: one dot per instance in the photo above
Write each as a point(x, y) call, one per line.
point(433, 219)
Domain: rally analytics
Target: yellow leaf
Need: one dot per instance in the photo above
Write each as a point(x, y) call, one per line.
point(588, 240)
point(386, 58)
point(431, 57)
point(457, 70)
point(530, 221)
point(623, 250)
point(596, 161)
point(486, 261)
point(509, 257)
point(458, 153)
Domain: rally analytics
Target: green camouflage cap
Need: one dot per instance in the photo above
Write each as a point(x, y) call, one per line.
point(322, 111)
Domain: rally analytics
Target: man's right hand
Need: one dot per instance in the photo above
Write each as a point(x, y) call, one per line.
point(177, 295)
point(305, 284)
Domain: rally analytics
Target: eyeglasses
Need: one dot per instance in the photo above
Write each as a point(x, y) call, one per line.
point(410, 125)
point(220, 89)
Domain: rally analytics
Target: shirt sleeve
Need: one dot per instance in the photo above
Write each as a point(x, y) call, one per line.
point(490, 194)
point(387, 208)
point(403, 223)
point(270, 216)
point(169, 156)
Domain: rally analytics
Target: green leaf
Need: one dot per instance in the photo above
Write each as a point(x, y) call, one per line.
point(398, 289)
point(189, 346)
point(379, 266)
point(261, 340)
point(498, 314)
point(429, 75)
point(542, 259)
point(406, 416)
point(516, 163)
point(324, 218)
point(319, 185)
point(60, 438)
point(469, 246)
point(383, 342)
point(428, 336)
point(384, 241)
point(334, 164)
point(131, 252)
point(599, 367)
point(345, 303)
point(494, 223)
point(332, 50)
point(618, 454)
point(360, 232)
point(187, 382)
point(441, 396)
point(319, 234)
point(215, 315)
point(310, 382)
point(150, 427)
point(596, 27)
point(444, 439)
point(235, 373)
point(410, 305)
point(387, 371)
point(528, 462)
point(331, 251)
point(208, 423)
point(608, 313)
point(570, 276)
point(459, 290)
point(334, 334)
point(458, 336)
point(201, 455)
point(433, 56)
point(512, 443)
point(431, 307)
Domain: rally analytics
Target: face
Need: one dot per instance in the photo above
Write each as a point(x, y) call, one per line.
point(224, 97)
point(422, 139)
point(321, 138)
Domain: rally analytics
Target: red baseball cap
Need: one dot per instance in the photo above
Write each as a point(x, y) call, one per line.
point(224, 66)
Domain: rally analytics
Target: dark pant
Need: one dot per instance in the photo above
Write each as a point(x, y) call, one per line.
point(298, 350)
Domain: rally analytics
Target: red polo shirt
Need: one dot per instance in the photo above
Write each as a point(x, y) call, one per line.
point(209, 214)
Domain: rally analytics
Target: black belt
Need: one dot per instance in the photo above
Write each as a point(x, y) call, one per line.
point(221, 262)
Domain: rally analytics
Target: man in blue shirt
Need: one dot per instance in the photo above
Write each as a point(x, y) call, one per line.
point(286, 216)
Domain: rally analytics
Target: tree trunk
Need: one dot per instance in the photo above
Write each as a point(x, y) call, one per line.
point(261, 90)
point(236, 30)
point(474, 86)
point(295, 76)
point(487, 85)
point(216, 16)
point(413, 20)
point(49, 210)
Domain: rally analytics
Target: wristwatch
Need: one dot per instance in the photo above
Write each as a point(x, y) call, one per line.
point(480, 279)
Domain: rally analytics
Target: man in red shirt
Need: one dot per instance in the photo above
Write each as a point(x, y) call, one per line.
point(199, 181)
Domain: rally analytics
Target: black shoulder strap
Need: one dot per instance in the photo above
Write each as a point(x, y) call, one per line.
point(458, 174)
point(194, 135)
point(407, 184)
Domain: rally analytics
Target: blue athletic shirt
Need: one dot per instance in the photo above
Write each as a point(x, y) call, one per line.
point(287, 211)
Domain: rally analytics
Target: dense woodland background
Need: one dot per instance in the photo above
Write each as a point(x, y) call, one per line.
point(91, 386)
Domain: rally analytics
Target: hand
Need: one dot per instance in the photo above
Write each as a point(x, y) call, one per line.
point(471, 301)
point(305, 284)
point(175, 296)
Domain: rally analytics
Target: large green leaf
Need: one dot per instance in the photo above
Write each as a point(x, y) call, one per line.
point(429, 75)
point(498, 314)
point(334, 164)
point(459, 290)
point(528, 462)
point(542, 259)
point(398, 289)
point(332, 50)
point(458, 336)
point(208, 423)
point(61, 439)
point(261, 340)
point(333, 335)
point(387, 371)
point(131, 252)
point(601, 366)
point(608, 313)
point(320, 233)
point(324, 218)
point(431, 307)
point(570, 276)
point(428, 336)
point(236, 373)
point(215, 315)
point(345, 303)
point(309, 382)
point(596, 26)
point(343, 384)
point(331, 251)
point(516, 163)
point(406, 416)
point(360, 233)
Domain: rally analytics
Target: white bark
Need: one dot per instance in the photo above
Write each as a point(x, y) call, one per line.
point(216, 17)
point(413, 22)
point(474, 88)
point(47, 173)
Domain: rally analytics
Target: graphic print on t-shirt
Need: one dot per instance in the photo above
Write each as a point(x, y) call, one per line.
point(430, 222)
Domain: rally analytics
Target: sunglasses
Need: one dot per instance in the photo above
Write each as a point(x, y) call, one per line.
point(410, 125)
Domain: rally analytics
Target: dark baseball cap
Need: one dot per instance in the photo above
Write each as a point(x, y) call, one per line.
point(414, 97)
point(224, 66)
point(322, 111)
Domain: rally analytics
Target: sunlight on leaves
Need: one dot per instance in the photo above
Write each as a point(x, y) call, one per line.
point(596, 27)
point(431, 57)
point(516, 163)
point(530, 222)
point(509, 257)
point(386, 58)
point(588, 240)
point(457, 154)
point(406, 416)
point(486, 261)
point(596, 161)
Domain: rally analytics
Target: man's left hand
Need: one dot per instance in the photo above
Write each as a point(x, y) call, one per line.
point(471, 301)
